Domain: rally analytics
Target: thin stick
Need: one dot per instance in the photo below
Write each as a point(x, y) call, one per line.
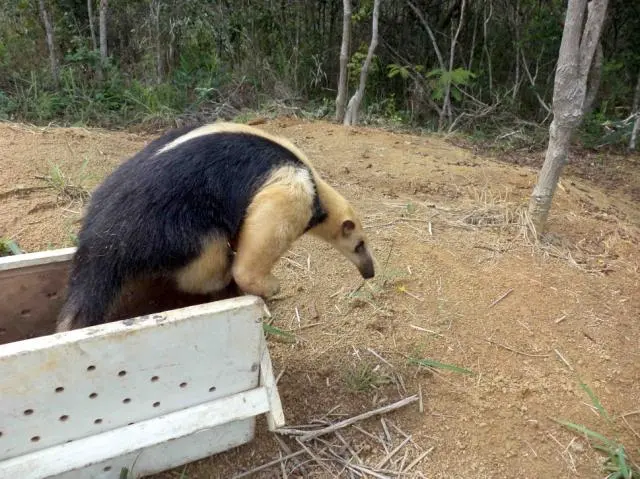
point(563, 359)
point(421, 404)
point(386, 432)
point(516, 351)
point(388, 457)
point(509, 291)
point(418, 459)
point(380, 357)
point(314, 457)
point(560, 319)
point(426, 330)
point(275, 462)
point(305, 436)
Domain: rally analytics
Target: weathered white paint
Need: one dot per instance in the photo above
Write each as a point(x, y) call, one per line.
point(170, 454)
point(160, 413)
point(109, 448)
point(38, 258)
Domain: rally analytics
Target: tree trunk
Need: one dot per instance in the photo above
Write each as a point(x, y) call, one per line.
point(92, 30)
point(103, 34)
point(353, 108)
point(593, 85)
point(155, 14)
point(343, 81)
point(446, 104)
point(51, 44)
point(633, 142)
point(577, 50)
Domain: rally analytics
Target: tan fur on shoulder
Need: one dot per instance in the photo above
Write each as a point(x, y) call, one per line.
point(276, 217)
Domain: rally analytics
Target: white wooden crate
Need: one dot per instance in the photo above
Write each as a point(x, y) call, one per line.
point(147, 394)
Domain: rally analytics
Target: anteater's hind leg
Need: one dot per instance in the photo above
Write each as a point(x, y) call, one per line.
point(210, 272)
point(276, 217)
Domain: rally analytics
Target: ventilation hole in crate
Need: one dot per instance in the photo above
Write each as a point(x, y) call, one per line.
point(183, 385)
point(91, 368)
point(0, 433)
point(122, 373)
point(25, 312)
point(98, 421)
point(63, 418)
point(126, 400)
point(107, 468)
point(28, 412)
point(131, 424)
point(59, 389)
point(52, 295)
point(154, 379)
point(212, 389)
point(3, 331)
point(156, 404)
point(35, 438)
point(93, 395)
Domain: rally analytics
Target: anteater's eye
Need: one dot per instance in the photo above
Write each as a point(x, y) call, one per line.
point(360, 247)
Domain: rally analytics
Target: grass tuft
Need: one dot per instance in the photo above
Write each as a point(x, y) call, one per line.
point(430, 363)
point(364, 377)
point(618, 465)
point(9, 247)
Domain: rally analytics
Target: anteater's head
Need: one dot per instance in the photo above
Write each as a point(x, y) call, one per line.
point(344, 232)
point(351, 241)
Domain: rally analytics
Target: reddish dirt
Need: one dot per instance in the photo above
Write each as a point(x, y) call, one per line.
point(443, 225)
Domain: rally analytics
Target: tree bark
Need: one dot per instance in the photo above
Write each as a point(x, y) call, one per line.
point(636, 124)
point(427, 27)
point(104, 4)
point(51, 44)
point(593, 85)
point(353, 108)
point(446, 104)
point(92, 30)
point(155, 14)
point(577, 49)
point(341, 100)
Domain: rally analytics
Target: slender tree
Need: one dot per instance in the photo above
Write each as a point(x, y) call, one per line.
point(51, 42)
point(155, 15)
point(353, 108)
point(577, 49)
point(92, 30)
point(343, 81)
point(104, 5)
point(636, 111)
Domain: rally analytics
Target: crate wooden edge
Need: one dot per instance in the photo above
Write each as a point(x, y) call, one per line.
point(177, 427)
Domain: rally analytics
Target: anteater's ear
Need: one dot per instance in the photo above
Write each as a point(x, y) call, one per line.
point(347, 228)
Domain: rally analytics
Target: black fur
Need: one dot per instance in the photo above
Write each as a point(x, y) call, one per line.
point(150, 215)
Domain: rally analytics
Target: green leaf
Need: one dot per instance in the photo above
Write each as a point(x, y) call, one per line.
point(269, 329)
point(595, 401)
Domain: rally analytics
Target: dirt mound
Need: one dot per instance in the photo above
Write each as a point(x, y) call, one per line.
point(458, 285)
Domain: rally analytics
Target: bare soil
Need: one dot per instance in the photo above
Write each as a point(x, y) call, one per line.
point(445, 225)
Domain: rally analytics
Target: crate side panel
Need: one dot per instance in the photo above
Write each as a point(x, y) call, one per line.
point(172, 454)
point(64, 387)
point(30, 298)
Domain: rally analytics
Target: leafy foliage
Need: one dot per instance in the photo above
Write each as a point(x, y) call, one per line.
point(241, 54)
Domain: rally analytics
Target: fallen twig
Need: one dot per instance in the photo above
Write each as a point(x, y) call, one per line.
point(509, 291)
point(306, 435)
point(267, 465)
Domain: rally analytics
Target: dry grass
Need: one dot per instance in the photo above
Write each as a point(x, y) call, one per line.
point(347, 448)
